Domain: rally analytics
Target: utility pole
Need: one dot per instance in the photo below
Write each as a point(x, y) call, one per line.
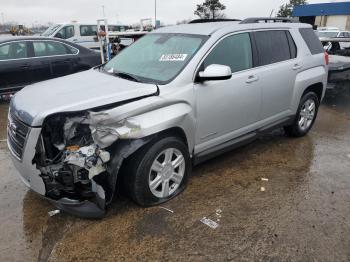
point(155, 14)
point(103, 11)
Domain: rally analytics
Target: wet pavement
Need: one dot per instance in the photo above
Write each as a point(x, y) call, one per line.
point(303, 214)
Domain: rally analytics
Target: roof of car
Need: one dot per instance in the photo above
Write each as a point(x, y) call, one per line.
point(212, 27)
point(8, 39)
point(16, 38)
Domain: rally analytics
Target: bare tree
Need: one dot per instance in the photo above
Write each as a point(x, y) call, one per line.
point(210, 9)
point(286, 10)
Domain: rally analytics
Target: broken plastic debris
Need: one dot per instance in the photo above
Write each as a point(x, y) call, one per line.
point(264, 179)
point(54, 212)
point(167, 209)
point(262, 189)
point(210, 223)
point(89, 157)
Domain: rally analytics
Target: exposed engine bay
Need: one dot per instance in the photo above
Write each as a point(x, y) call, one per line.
point(74, 156)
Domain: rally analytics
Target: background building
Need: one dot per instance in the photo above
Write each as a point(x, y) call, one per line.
point(325, 15)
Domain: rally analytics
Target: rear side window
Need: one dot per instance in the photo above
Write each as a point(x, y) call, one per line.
point(234, 51)
point(88, 30)
point(273, 47)
point(51, 48)
point(311, 40)
point(15, 50)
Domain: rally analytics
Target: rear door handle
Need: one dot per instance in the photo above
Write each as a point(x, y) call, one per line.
point(25, 66)
point(296, 67)
point(251, 79)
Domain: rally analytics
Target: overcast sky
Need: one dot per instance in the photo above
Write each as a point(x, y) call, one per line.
point(126, 11)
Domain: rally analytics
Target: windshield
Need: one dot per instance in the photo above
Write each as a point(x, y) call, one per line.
point(156, 58)
point(327, 34)
point(50, 30)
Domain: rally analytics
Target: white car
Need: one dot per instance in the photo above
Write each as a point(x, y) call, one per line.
point(332, 34)
point(80, 33)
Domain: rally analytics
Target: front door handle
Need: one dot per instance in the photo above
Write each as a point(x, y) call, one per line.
point(297, 66)
point(251, 79)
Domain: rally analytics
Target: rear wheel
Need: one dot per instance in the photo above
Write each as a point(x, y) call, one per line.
point(305, 117)
point(158, 172)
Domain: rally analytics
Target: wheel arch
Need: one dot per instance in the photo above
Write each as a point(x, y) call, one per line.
point(313, 79)
point(317, 88)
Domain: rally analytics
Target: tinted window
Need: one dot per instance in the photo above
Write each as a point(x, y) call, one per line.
point(273, 47)
point(292, 46)
point(234, 51)
point(88, 30)
point(311, 40)
point(14, 50)
point(66, 32)
point(50, 48)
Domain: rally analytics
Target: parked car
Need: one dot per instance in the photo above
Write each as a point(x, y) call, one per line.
point(27, 60)
point(332, 34)
point(176, 97)
point(80, 33)
point(339, 62)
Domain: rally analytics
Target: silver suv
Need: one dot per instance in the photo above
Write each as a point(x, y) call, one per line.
point(174, 98)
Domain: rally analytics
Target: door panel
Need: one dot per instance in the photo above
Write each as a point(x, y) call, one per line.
point(277, 71)
point(87, 36)
point(277, 83)
point(228, 106)
point(40, 69)
point(14, 66)
point(61, 66)
point(54, 59)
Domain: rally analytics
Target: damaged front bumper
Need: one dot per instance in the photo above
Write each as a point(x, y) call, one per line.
point(31, 177)
point(101, 181)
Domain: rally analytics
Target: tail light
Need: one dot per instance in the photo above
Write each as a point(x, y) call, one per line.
point(326, 57)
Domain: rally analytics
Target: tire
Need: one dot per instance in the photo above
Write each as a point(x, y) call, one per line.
point(301, 127)
point(141, 178)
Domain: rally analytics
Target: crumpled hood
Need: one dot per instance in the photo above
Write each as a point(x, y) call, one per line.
point(75, 92)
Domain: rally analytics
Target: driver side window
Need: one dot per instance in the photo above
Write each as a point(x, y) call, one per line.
point(234, 51)
point(66, 32)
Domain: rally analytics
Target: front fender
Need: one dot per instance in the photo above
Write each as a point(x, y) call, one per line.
point(179, 114)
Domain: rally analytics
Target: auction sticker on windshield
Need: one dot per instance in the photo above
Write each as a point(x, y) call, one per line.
point(173, 57)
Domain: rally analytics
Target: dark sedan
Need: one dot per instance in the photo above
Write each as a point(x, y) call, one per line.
point(26, 60)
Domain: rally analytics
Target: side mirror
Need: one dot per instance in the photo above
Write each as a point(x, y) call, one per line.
point(215, 72)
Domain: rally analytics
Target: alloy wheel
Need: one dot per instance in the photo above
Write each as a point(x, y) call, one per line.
point(167, 172)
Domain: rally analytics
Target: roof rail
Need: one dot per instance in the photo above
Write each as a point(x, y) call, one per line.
point(200, 21)
point(253, 20)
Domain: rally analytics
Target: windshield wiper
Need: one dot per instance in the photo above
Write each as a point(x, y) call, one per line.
point(126, 76)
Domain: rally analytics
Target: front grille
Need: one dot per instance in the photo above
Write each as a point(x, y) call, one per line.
point(17, 133)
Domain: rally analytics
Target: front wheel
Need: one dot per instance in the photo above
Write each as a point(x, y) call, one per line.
point(305, 117)
point(158, 172)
